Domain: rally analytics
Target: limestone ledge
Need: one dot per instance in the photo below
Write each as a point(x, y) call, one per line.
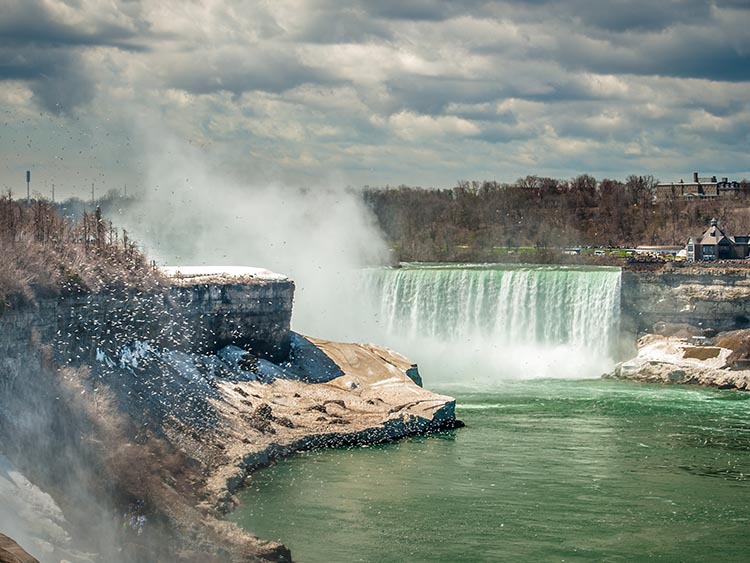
point(375, 400)
point(717, 298)
point(671, 360)
point(11, 552)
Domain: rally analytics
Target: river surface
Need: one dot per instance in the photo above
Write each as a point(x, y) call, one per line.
point(545, 470)
point(553, 465)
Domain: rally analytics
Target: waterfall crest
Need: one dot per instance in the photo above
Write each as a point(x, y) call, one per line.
point(517, 321)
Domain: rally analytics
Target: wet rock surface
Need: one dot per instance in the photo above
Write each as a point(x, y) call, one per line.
point(156, 438)
point(11, 552)
point(674, 360)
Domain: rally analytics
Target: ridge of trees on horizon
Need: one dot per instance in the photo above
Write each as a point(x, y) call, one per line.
point(486, 220)
point(478, 220)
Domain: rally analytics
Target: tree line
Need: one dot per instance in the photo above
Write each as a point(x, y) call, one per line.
point(486, 220)
point(45, 253)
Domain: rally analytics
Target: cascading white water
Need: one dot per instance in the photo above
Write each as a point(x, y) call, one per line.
point(474, 322)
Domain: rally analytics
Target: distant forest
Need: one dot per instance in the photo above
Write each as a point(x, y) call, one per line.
point(486, 221)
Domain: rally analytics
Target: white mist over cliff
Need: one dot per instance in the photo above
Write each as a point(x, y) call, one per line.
point(194, 213)
point(480, 324)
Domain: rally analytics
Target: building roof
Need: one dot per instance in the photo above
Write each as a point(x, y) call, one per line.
point(714, 235)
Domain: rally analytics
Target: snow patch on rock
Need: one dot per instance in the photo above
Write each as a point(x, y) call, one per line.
point(186, 272)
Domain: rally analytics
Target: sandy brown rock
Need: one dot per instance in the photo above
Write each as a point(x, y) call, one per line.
point(374, 401)
point(11, 552)
point(672, 360)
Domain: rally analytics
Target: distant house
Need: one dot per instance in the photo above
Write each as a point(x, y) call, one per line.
point(715, 244)
point(700, 188)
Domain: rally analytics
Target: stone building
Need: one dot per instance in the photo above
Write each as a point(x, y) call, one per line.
point(715, 244)
point(708, 187)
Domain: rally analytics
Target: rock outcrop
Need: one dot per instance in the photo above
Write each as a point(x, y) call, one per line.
point(702, 296)
point(673, 360)
point(11, 552)
point(146, 411)
point(671, 305)
point(373, 400)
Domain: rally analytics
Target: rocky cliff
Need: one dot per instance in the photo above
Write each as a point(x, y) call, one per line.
point(11, 552)
point(139, 413)
point(90, 382)
point(715, 298)
point(666, 308)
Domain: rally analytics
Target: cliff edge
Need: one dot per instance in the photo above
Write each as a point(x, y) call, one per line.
point(690, 321)
point(11, 552)
point(141, 412)
point(703, 296)
point(673, 359)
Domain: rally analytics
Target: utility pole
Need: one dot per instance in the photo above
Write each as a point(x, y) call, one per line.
point(125, 192)
point(53, 193)
point(28, 187)
point(92, 193)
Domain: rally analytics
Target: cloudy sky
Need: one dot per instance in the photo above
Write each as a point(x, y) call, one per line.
point(422, 92)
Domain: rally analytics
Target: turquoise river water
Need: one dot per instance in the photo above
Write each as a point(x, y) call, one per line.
point(547, 468)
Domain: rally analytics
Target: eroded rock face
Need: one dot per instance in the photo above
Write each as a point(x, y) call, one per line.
point(11, 552)
point(715, 298)
point(673, 360)
point(163, 430)
point(193, 316)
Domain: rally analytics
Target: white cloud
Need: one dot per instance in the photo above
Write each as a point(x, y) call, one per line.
point(413, 127)
point(382, 93)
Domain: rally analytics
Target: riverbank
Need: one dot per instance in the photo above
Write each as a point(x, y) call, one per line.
point(651, 472)
point(157, 407)
point(673, 359)
point(373, 398)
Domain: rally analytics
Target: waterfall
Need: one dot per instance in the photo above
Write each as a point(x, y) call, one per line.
point(481, 321)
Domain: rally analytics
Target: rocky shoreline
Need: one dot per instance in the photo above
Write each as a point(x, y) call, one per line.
point(675, 360)
point(691, 322)
point(122, 392)
point(374, 400)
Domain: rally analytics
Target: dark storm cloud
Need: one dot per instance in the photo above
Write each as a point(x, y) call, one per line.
point(320, 81)
point(242, 71)
point(57, 78)
point(639, 15)
point(432, 95)
point(404, 10)
point(685, 52)
point(686, 38)
point(612, 15)
point(35, 46)
point(31, 22)
point(67, 86)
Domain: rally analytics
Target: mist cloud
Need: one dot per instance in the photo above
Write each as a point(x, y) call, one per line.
point(199, 214)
